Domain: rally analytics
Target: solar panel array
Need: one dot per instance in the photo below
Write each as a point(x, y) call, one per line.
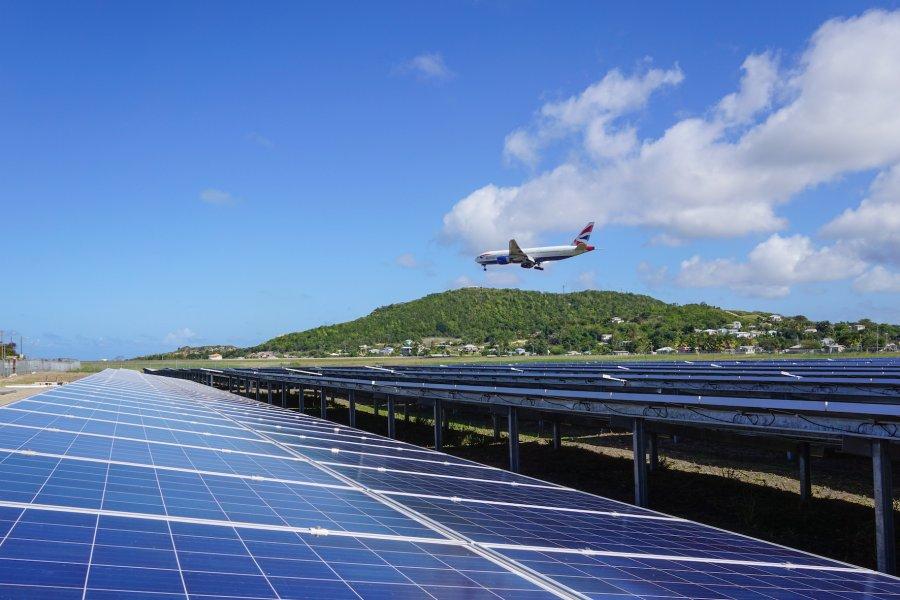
point(132, 486)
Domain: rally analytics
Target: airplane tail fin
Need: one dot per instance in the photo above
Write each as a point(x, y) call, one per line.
point(584, 236)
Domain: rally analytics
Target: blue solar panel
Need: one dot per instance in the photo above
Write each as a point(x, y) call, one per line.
point(131, 486)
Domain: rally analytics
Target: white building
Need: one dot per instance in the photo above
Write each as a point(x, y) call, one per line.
point(470, 348)
point(617, 320)
point(665, 350)
point(215, 356)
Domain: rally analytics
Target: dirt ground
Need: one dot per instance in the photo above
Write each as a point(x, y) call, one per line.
point(11, 394)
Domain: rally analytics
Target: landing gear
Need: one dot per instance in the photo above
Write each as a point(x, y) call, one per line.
point(484, 267)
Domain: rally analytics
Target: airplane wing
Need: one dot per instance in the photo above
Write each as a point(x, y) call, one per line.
point(517, 256)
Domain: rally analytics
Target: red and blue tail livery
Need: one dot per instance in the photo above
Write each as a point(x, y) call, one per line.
point(585, 235)
point(533, 257)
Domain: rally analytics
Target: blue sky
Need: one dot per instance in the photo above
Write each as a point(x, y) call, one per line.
point(191, 173)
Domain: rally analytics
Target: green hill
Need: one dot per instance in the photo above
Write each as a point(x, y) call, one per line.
point(498, 317)
point(502, 320)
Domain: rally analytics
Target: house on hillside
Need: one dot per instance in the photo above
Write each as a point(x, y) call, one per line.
point(215, 356)
point(858, 327)
point(735, 325)
point(387, 351)
point(407, 350)
point(776, 318)
point(621, 352)
point(665, 350)
point(810, 330)
point(748, 349)
point(796, 349)
point(617, 320)
point(605, 337)
point(470, 348)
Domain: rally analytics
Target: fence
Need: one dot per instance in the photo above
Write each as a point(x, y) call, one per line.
point(31, 365)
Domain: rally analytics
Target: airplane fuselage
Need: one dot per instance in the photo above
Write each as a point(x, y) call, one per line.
point(539, 255)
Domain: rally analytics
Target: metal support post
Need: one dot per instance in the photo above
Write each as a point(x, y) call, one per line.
point(438, 420)
point(406, 410)
point(513, 439)
point(654, 451)
point(804, 466)
point(323, 403)
point(283, 395)
point(269, 391)
point(639, 442)
point(256, 385)
point(884, 507)
point(557, 438)
point(301, 401)
point(392, 425)
point(495, 422)
point(351, 401)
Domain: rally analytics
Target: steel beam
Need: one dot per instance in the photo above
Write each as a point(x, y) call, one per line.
point(392, 426)
point(513, 418)
point(438, 421)
point(884, 507)
point(639, 444)
point(351, 400)
point(804, 467)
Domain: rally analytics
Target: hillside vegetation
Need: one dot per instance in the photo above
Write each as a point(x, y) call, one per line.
point(498, 321)
point(499, 317)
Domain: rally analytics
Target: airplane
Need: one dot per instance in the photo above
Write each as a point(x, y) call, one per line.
point(533, 257)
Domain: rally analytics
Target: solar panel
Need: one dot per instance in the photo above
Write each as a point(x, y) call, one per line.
point(124, 485)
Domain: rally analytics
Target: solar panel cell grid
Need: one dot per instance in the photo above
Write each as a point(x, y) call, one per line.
point(130, 486)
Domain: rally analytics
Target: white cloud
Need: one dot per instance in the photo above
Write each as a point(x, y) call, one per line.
point(772, 267)
point(180, 337)
point(260, 140)
point(587, 280)
point(214, 196)
point(873, 227)
point(429, 66)
point(757, 88)
point(504, 278)
point(407, 260)
point(592, 114)
point(878, 279)
point(832, 113)
point(463, 281)
point(652, 276)
point(493, 278)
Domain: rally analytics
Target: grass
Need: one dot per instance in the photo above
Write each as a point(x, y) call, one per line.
point(94, 366)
